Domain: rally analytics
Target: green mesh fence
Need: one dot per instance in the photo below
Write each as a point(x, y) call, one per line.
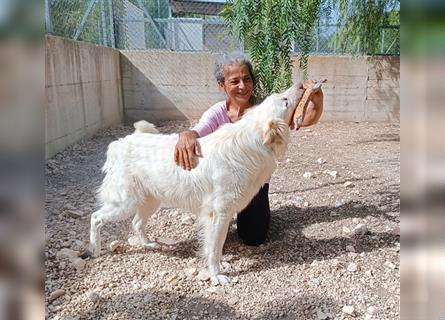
point(177, 25)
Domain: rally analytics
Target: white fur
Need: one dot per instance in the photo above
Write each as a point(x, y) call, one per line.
point(141, 175)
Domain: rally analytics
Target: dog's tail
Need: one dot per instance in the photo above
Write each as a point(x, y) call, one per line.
point(145, 127)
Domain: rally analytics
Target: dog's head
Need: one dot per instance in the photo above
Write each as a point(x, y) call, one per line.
point(277, 111)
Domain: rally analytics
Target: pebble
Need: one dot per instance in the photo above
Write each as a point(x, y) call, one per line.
point(352, 267)
point(339, 203)
point(350, 248)
point(307, 175)
point(74, 214)
point(67, 253)
point(93, 296)
point(321, 315)
point(348, 310)
point(190, 272)
point(371, 310)
point(321, 160)
point(203, 275)
point(133, 241)
point(232, 301)
point(390, 265)
point(56, 294)
point(346, 230)
point(360, 229)
point(115, 245)
point(79, 263)
point(333, 174)
point(348, 184)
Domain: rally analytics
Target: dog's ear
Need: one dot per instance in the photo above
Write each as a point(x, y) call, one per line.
point(276, 136)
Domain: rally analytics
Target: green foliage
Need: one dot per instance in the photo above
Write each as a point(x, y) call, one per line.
point(361, 23)
point(267, 29)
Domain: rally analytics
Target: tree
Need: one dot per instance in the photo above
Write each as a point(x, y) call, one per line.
point(267, 28)
point(360, 24)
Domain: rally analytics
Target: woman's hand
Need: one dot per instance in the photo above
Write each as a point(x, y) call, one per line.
point(186, 149)
point(315, 106)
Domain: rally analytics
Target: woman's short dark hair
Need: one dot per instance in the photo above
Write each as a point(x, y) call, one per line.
point(229, 59)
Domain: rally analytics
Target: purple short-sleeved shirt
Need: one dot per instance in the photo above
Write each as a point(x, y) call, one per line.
point(212, 119)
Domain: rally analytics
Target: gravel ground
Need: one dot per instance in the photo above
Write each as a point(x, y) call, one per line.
point(332, 252)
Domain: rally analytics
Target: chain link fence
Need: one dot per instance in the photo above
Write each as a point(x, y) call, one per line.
point(177, 25)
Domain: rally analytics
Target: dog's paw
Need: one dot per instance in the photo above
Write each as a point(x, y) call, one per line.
point(219, 279)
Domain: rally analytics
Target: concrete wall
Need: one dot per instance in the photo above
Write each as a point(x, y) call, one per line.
point(163, 85)
point(170, 85)
point(83, 91)
point(358, 88)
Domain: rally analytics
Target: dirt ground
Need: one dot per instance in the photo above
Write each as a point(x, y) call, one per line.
point(332, 252)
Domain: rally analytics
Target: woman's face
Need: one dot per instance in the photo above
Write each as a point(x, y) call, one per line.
point(238, 84)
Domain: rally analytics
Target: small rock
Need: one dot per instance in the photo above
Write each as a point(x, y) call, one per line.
point(115, 245)
point(307, 175)
point(56, 294)
point(333, 214)
point(167, 241)
point(348, 310)
point(371, 310)
point(346, 230)
point(79, 263)
point(190, 272)
point(333, 174)
point(93, 296)
point(352, 267)
point(235, 280)
point(368, 273)
point(321, 160)
point(348, 184)
point(171, 278)
point(74, 214)
point(288, 160)
point(232, 301)
point(321, 315)
point(67, 253)
point(350, 248)
point(134, 241)
point(360, 229)
point(203, 275)
point(390, 265)
point(225, 265)
point(339, 203)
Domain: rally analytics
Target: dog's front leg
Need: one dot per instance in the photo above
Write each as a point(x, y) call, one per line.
point(215, 236)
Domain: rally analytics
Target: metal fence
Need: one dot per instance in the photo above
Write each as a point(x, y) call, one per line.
point(178, 25)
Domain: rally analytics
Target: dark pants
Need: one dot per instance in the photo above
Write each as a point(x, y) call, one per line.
point(253, 222)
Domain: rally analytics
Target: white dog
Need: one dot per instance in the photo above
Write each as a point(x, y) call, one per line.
point(141, 175)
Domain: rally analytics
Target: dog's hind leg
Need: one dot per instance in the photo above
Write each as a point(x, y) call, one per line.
point(215, 230)
point(144, 212)
point(107, 213)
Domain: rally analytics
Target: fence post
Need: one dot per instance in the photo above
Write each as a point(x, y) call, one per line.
point(49, 26)
point(103, 23)
point(111, 17)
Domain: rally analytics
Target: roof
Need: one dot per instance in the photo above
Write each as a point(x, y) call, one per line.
point(208, 7)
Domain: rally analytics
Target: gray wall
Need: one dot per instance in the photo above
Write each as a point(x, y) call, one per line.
point(83, 91)
point(89, 87)
point(172, 85)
